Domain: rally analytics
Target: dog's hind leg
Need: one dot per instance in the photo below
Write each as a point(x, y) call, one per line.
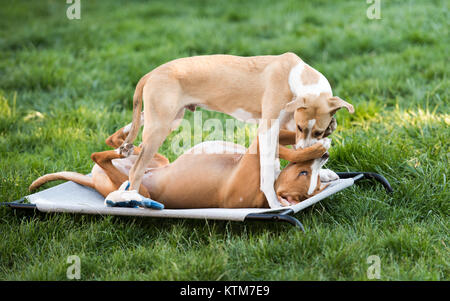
point(160, 110)
point(117, 139)
point(104, 160)
point(132, 130)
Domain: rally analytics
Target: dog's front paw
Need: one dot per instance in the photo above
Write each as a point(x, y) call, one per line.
point(326, 143)
point(126, 149)
point(327, 175)
point(130, 198)
point(320, 147)
point(317, 149)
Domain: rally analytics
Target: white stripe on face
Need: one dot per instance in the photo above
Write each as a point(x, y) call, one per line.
point(307, 141)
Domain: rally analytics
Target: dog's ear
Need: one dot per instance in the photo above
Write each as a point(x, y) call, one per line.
point(331, 127)
point(335, 103)
point(298, 102)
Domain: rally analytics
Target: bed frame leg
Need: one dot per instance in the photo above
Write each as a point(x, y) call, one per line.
point(282, 216)
point(367, 175)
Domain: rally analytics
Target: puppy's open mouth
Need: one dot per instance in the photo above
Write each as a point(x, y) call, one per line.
point(287, 200)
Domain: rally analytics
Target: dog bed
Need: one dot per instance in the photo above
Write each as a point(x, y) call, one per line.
point(70, 197)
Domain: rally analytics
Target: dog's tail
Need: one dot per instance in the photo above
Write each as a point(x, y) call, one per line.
point(63, 175)
point(137, 108)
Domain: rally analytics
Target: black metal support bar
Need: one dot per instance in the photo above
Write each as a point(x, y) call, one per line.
point(21, 206)
point(283, 216)
point(18, 204)
point(367, 175)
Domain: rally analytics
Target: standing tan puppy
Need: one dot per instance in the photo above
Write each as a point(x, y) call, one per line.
point(276, 90)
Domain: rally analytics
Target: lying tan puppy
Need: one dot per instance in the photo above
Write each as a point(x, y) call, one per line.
point(274, 90)
point(222, 174)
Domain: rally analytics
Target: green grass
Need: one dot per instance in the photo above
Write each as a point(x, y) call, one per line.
point(66, 85)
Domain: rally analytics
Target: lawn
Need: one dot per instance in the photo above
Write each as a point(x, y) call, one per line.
point(65, 85)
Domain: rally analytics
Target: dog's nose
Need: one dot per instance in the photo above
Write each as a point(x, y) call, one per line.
point(326, 156)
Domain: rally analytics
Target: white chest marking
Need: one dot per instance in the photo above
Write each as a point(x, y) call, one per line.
point(123, 165)
point(299, 89)
point(302, 143)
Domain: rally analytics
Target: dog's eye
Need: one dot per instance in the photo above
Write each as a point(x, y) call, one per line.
point(299, 128)
point(303, 173)
point(317, 134)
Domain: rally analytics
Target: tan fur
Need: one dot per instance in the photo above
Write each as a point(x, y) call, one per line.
point(137, 105)
point(309, 76)
point(205, 180)
point(63, 175)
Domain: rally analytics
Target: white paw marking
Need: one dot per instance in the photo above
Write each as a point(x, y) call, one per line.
point(122, 195)
point(327, 175)
point(302, 143)
point(126, 150)
point(326, 142)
